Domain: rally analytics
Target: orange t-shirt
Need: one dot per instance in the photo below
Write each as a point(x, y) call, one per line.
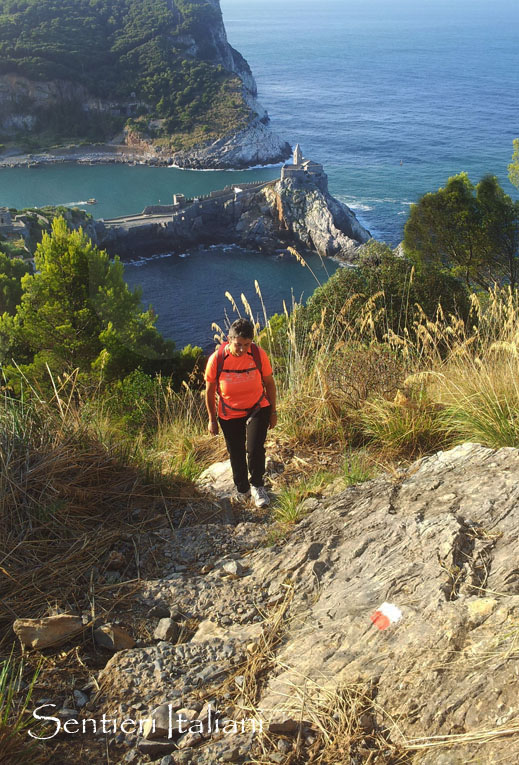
point(240, 390)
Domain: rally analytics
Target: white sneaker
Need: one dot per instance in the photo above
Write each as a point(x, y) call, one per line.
point(260, 496)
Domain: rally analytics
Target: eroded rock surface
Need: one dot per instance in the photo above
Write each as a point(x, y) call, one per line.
point(438, 542)
point(256, 144)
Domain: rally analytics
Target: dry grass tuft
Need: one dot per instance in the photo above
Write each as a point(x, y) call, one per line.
point(333, 725)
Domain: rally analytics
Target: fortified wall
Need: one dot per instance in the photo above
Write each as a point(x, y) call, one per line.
point(208, 219)
point(266, 216)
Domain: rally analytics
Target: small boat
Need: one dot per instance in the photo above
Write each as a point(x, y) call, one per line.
point(92, 201)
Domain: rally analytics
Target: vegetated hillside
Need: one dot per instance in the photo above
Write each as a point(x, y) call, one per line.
point(81, 69)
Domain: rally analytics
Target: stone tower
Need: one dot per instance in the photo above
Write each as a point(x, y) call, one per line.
point(298, 155)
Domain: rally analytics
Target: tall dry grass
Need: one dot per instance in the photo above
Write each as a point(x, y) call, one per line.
point(474, 381)
point(67, 497)
point(440, 382)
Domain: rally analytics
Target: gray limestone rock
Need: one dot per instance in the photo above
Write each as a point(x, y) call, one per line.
point(167, 629)
point(439, 544)
point(80, 698)
point(256, 144)
point(233, 568)
point(159, 611)
point(156, 748)
point(405, 587)
point(317, 220)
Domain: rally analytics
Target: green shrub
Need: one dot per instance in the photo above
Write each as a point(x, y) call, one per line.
point(381, 294)
point(135, 399)
point(287, 508)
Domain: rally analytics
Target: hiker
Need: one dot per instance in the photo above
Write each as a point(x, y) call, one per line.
point(241, 374)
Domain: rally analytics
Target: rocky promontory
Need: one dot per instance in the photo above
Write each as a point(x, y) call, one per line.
point(254, 145)
point(159, 86)
point(296, 211)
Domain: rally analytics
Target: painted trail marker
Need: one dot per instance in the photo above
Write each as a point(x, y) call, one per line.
point(385, 615)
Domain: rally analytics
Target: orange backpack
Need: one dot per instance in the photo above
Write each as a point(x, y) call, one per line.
point(220, 359)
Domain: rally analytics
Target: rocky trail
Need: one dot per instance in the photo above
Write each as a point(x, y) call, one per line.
point(383, 629)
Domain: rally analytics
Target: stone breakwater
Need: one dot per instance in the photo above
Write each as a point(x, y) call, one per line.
point(264, 216)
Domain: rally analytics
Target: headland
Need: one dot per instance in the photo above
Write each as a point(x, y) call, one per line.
point(296, 210)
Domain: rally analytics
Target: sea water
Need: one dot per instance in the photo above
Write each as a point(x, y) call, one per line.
point(392, 97)
point(220, 283)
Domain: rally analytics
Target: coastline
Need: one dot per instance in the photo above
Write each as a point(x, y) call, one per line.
point(92, 154)
point(110, 154)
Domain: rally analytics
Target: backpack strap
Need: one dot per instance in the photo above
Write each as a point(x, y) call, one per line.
point(219, 363)
point(256, 355)
point(222, 355)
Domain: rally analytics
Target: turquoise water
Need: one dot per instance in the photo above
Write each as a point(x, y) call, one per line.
point(118, 189)
point(393, 98)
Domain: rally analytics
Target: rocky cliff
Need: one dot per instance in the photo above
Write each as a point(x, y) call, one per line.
point(268, 218)
point(168, 76)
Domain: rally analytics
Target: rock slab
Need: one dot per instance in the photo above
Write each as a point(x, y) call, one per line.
point(48, 631)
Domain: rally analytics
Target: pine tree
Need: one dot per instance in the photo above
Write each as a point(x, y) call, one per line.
point(77, 312)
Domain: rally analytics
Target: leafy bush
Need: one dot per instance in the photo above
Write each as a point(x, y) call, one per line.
point(473, 230)
point(134, 398)
point(381, 294)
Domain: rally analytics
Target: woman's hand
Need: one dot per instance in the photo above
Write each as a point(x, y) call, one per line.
point(273, 420)
point(213, 427)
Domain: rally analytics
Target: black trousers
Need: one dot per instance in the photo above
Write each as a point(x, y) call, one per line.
point(246, 447)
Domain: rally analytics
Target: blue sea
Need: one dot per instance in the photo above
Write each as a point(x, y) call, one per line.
point(392, 97)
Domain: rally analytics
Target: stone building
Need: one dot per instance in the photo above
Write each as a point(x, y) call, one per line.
point(12, 229)
point(302, 169)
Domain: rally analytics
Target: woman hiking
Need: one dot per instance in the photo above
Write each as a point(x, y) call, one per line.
point(241, 374)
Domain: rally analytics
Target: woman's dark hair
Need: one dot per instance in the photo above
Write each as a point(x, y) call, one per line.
point(241, 328)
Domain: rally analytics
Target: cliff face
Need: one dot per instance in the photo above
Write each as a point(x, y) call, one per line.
point(188, 95)
point(215, 46)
